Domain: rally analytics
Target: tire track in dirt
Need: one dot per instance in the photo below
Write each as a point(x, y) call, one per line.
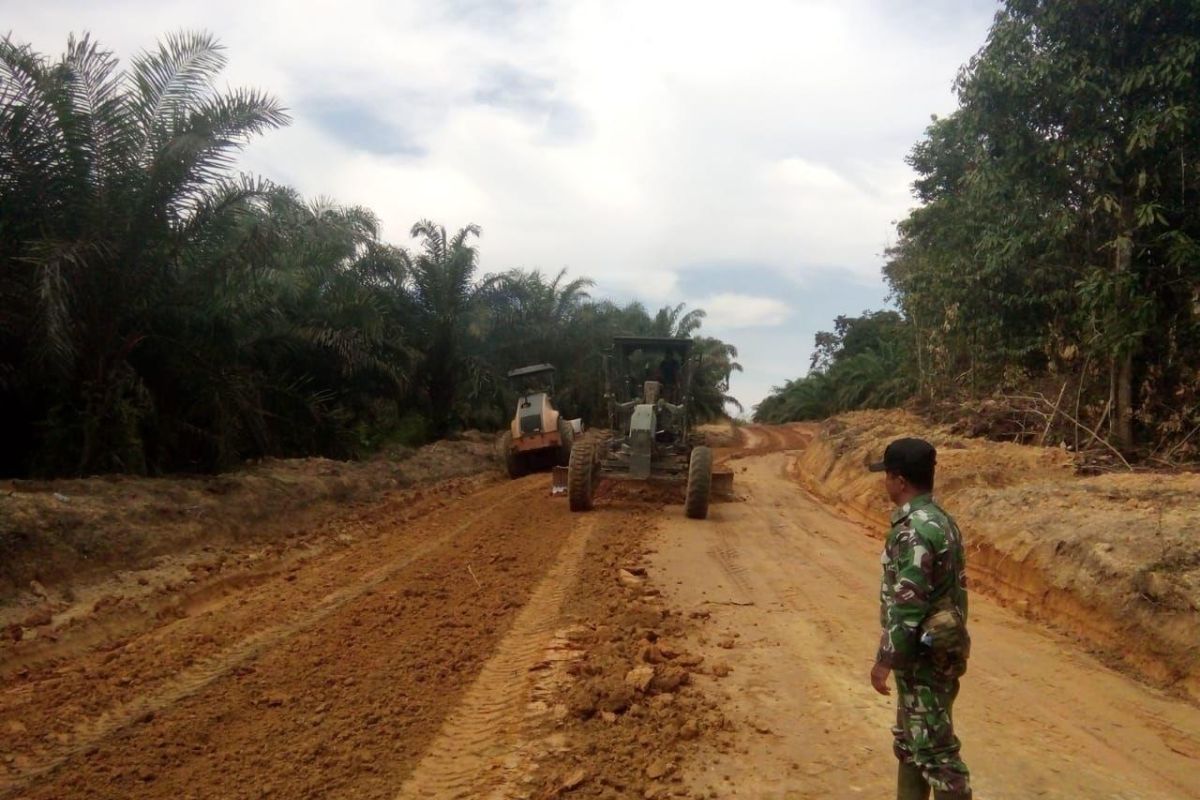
point(190, 681)
point(832, 710)
point(725, 554)
point(761, 439)
point(480, 750)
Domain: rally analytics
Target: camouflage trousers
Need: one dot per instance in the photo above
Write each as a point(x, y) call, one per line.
point(924, 732)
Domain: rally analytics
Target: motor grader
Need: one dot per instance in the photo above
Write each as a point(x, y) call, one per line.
point(538, 436)
point(648, 386)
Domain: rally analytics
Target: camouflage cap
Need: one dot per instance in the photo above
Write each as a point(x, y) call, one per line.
point(912, 458)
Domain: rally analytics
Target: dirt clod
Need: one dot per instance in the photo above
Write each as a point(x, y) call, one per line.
point(573, 781)
point(629, 580)
point(42, 616)
point(669, 678)
point(639, 678)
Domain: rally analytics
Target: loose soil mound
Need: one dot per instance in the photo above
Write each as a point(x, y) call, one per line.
point(56, 533)
point(720, 434)
point(632, 710)
point(1112, 559)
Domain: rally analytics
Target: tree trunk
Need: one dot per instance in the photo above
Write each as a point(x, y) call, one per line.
point(1123, 407)
point(1125, 402)
point(919, 345)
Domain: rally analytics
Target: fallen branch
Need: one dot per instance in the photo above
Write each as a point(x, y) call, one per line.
point(1053, 414)
point(478, 585)
point(1182, 442)
point(1100, 424)
point(1095, 436)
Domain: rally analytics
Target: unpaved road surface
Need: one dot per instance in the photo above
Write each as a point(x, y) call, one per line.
point(432, 653)
point(795, 586)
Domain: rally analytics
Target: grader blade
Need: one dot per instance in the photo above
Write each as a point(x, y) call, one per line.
point(722, 481)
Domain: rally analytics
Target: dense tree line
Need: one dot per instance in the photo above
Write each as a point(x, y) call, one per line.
point(861, 363)
point(160, 312)
point(1056, 240)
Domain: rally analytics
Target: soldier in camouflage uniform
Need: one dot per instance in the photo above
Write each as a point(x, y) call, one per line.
point(923, 613)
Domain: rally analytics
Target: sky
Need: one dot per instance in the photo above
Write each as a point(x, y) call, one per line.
point(745, 157)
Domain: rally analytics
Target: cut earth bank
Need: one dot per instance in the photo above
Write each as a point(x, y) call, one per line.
point(1113, 559)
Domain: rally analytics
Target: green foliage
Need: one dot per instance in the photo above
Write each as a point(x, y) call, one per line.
point(1056, 240)
point(1058, 201)
point(861, 363)
point(710, 386)
point(159, 312)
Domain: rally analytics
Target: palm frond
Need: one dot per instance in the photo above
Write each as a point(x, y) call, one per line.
point(99, 130)
point(167, 81)
point(32, 145)
point(57, 266)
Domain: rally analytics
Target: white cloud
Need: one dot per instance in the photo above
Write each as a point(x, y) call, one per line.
point(730, 312)
point(630, 141)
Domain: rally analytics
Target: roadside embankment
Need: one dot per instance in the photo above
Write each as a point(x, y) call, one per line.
point(58, 534)
point(1111, 559)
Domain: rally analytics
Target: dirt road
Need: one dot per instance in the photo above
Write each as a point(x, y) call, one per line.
point(431, 645)
point(795, 587)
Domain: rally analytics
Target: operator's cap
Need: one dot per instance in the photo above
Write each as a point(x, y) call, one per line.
point(907, 457)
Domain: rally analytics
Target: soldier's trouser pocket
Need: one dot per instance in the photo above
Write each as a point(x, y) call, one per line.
point(924, 732)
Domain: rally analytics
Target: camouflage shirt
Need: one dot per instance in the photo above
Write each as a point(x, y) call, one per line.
point(923, 565)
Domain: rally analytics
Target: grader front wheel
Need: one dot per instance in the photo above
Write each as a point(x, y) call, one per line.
point(699, 483)
point(581, 476)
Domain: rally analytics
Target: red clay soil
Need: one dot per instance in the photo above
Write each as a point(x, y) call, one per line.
point(327, 676)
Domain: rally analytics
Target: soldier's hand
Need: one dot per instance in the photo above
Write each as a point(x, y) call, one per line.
point(879, 676)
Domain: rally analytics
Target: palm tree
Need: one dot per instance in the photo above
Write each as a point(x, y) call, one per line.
point(445, 289)
point(717, 361)
point(531, 318)
point(528, 296)
point(530, 314)
point(107, 180)
point(676, 322)
point(159, 312)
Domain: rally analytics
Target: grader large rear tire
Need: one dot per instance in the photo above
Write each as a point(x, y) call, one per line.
point(581, 477)
point(699, 483)
point(514, 465)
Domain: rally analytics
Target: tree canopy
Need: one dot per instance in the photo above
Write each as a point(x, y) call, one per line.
point(1056, 238)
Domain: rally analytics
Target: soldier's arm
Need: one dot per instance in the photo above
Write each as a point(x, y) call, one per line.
point(907, 602)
